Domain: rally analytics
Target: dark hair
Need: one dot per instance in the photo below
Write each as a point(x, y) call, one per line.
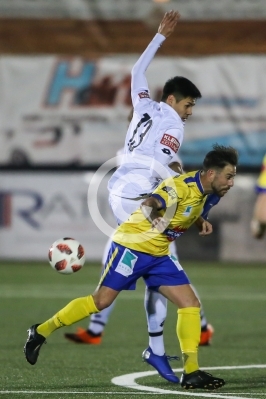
point(219, 157)
point(180, 88)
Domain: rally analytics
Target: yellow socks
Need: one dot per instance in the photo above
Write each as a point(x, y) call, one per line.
point(188, 332)
point(76, 310)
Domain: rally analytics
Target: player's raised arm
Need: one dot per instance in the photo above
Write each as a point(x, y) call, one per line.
point(138, 78)
point(167, 26)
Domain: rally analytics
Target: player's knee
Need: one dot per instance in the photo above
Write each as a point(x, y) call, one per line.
point(193, 303)
point(197, 303)
point(101, 301)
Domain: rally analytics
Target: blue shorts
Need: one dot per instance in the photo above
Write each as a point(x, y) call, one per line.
point(124, 267)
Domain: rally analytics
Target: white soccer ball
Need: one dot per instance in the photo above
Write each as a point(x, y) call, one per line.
point(66, 255)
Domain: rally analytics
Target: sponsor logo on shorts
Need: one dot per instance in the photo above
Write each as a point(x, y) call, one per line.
point(126, 263)
point(170, 141)
point(175, 260)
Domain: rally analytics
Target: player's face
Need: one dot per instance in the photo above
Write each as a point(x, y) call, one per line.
point(183, 107)
point(223, 180)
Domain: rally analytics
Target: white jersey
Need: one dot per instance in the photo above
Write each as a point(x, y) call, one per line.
point(154, 135)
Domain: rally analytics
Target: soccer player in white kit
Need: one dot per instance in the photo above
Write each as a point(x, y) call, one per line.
point(150, 155)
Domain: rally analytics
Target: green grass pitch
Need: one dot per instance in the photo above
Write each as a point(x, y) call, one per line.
point(233, 296)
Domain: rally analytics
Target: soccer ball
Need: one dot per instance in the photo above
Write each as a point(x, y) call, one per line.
point(66, 255)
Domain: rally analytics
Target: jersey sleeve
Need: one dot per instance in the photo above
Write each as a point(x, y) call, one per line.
point(139, 84)
point(166, 148)
point(169, 193)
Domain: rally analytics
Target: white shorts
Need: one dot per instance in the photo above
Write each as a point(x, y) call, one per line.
point(123, 207)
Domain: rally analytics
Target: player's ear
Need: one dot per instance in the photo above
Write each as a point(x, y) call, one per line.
point(170, 100)
point(211, 174)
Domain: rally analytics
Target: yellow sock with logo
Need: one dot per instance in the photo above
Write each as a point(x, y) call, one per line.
point(76, 310)
point(188, 332)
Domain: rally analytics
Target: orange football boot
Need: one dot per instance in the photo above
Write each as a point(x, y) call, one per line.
point(206, 336)
point(83, 336)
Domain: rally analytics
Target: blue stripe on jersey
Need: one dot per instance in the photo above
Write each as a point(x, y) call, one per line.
point(211, 200)
point(189, 180)
point(260, 190)
point(195, 179)
point(160, 199)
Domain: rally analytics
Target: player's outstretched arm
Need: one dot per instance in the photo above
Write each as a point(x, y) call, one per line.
point(169, 21)
point(138, 78)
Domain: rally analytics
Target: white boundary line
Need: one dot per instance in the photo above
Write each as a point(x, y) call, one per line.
point(107, 393)
point(128, 381)
point(100, 393)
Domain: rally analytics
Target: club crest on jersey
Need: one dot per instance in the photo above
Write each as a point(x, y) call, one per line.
point(170, 191)
point(170, 141)
point(187, 211)
point(144, 94)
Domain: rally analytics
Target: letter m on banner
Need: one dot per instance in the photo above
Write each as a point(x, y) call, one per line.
point(69, 76)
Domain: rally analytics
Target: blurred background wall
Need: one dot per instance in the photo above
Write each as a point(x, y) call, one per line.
point(65, 96)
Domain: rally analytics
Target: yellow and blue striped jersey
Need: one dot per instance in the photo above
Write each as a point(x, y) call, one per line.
point(261, 182)
point(183, 201)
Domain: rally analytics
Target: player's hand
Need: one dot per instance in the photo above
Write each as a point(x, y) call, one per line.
point(168, 23)
point(206, 228)
point(176, 167)
point(160, 224)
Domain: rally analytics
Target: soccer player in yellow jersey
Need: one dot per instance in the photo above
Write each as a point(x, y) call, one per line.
point(258, 222)
point(140, 248)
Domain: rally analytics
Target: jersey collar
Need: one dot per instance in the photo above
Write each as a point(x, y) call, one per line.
point(195, 179)
point(198, 182)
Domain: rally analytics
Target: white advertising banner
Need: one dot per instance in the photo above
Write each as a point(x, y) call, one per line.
point(128, 9)
point(38, 208)
point(73, 111)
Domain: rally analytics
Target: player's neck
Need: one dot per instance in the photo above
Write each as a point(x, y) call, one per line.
point(206, 186)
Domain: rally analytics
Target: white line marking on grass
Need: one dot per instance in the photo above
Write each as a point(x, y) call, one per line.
point(128, 381)
point(76, 392)
point(110, 393)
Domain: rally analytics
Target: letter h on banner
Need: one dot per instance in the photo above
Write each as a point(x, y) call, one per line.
point(63, 79)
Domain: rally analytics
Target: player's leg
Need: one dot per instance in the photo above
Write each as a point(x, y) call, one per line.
point(168, 277)
point(207, 329)
point(121, 209)
point(154, 355)
point(188, 333)
point(93, 334)
point(74, 311)
point(155, 306)
point(156, 310)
